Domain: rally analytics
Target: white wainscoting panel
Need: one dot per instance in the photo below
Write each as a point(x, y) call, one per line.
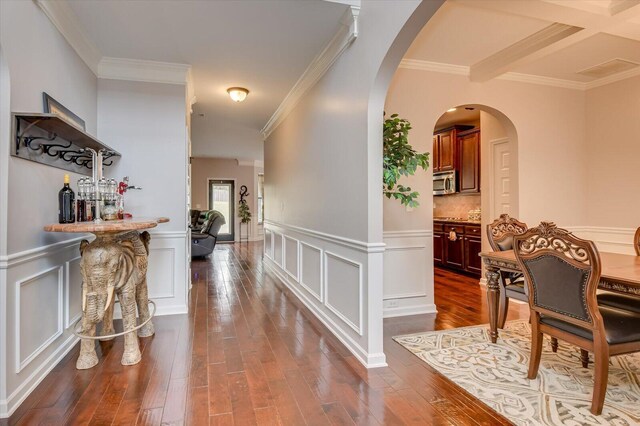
point(332, 281)
point(277, 249)
point(311, 269)
point(38, 283)
point(268, 243)
point(614, 240)
point(408, 273)
point(291, 247)
point(73, 292)
point(38, 314)
point(343, 289)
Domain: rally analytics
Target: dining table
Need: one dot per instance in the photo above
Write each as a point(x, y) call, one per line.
point(620, 273)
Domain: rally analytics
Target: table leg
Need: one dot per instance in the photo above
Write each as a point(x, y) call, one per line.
point(493, 300)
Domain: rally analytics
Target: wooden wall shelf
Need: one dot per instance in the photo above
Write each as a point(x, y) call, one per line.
point(49, 139)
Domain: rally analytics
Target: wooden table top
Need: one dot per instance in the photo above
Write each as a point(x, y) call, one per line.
point(615, 266)
point(108, 225)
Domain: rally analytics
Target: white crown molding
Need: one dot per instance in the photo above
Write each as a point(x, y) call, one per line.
point(147, 71)
point(613, 78)
point(251, 163)
point(420, 65)
point(346, 34)
point(543, 81)
point(60, 14)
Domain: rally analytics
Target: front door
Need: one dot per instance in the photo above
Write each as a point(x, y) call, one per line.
point(221, 198)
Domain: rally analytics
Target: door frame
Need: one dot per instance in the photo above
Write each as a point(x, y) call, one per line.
point(233, 207)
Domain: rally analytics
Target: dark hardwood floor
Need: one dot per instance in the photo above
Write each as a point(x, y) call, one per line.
point(249, 354)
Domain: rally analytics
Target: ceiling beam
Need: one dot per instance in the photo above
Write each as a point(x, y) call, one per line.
point(545, 41)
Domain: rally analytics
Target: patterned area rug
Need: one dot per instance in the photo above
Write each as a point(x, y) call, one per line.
point(497, 375)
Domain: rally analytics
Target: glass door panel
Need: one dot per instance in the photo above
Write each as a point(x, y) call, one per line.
point(221, 198)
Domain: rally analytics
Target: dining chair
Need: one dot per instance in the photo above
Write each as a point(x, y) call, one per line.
point(623, 301)
point(500, 234)
point(562, 273)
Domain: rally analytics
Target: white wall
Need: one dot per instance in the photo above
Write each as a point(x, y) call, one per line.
point(322, 181)
point(613, 128)
point(146, 123)
point(40, 60)
point(39, 278)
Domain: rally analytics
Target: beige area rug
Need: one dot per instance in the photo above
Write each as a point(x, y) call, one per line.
point(497, 375)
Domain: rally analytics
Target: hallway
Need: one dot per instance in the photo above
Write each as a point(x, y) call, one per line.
point(249, 354)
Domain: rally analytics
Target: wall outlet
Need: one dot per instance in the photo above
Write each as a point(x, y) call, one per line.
point(392, 303)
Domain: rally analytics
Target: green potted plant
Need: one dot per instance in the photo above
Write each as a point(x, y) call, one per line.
point(400, 159)
point(243, 212)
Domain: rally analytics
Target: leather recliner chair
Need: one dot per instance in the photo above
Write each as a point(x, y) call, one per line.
point(204, 233)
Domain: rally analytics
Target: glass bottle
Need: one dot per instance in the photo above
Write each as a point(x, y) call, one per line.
point(66, 206)
point(80, 203)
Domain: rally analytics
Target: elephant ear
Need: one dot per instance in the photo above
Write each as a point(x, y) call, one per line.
point(126, 264)
point(145, 237)
point(83, 245)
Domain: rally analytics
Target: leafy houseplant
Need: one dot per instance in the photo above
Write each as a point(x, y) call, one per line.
point(400, 159)
point(243, 212)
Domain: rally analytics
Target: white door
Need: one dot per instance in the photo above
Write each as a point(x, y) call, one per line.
point(501, 177)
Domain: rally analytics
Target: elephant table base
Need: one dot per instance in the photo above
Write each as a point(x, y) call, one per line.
point(114, 263)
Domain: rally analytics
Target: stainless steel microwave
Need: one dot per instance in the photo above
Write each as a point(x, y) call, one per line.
point(444, 183)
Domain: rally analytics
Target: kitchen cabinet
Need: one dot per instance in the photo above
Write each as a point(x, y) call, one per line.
point(445, 149)
point(457, 245)
point(469, 161)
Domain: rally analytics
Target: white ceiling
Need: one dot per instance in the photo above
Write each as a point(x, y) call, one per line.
point(493, 37)
point(263, 45)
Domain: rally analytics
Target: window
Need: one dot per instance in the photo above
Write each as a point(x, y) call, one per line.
point(260, 198)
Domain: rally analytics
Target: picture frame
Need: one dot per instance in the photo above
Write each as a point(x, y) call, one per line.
point(52, 106)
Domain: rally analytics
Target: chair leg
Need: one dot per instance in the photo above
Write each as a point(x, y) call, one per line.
point(584, 357)
point(536, 346)
point(601, 375)
point(503, 310)
point(554, 344)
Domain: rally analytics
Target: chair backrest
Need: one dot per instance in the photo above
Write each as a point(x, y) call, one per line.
point(562, 273)
point(502, 231)
point(194, 217)
point(636, 242)
point(216, 220)
point(202, 219)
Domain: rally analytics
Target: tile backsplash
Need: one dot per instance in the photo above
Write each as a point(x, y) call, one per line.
point(455, 205)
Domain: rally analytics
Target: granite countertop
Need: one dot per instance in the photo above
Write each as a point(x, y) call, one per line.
point(456, 220)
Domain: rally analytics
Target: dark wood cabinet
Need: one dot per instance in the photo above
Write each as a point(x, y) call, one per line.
point(444, 155)
point(472, 249)
point(457, 245)
point(469, 161)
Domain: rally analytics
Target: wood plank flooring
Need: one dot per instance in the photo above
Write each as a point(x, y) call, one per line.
point(250, 354)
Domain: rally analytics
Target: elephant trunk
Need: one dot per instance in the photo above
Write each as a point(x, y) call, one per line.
point(94, 311)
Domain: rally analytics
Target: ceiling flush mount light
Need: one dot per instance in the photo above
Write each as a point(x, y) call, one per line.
point(237, 94)
point(452, 109)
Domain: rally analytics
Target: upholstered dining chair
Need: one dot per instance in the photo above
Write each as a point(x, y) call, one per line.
point(562, 273)
point(622, 301)
point(500, 234)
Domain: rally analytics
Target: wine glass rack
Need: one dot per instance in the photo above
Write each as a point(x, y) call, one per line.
point(49, 139)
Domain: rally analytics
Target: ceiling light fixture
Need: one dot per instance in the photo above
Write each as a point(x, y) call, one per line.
point(237, 94)
point(452, 109)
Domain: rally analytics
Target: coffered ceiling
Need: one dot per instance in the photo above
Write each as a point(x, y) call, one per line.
point(544, 41)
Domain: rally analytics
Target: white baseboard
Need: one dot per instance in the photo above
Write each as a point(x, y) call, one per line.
point(402, 311)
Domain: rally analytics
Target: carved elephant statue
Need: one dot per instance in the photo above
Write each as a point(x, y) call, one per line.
point(114, 265)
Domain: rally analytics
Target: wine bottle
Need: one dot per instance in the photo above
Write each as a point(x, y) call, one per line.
point(80, 202)
point(66, 207)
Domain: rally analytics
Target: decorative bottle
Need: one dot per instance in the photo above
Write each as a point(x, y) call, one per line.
point(66, 206)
